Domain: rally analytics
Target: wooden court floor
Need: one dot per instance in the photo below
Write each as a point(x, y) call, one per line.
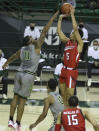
point(88, 100)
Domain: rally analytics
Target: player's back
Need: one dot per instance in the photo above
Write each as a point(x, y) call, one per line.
point(29, 59)
point(57, 106)
point(73, 120)
point(71, 55)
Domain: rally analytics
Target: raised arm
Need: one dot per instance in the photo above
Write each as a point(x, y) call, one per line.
point(45, 29)
point(75, 28)
point(11, 59)
point(62, 36)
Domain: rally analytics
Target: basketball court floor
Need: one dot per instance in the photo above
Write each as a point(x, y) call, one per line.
point(88, 100)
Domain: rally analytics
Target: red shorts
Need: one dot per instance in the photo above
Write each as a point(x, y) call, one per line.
point(69, 77)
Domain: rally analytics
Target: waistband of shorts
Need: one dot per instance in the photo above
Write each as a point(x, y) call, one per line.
point(68, 68)
point(31, 73)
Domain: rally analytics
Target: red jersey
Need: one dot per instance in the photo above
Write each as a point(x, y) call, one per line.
point(71, 55)
point(73, 120)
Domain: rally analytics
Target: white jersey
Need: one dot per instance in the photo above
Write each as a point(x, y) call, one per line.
point(93, 53)
point(58, 69)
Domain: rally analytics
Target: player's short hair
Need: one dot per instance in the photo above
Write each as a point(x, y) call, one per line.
point(52, 83)
point(26, 40)
point(80, 32)
point(73, 101)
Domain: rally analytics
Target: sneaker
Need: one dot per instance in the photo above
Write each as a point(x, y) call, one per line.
point(4, 96)
point(17, 127)
point(89, 82)
point(10, 123)
point(37, 78)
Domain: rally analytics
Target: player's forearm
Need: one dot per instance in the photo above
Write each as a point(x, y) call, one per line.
point(59, 25)
point(41, 118)
point(10, 60)
point(50, 22)
point(13, 58)
point(45, 29)
point(62, 36)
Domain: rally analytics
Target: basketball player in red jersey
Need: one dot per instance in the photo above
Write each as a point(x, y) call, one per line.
point(72, 49)
point(73, 118)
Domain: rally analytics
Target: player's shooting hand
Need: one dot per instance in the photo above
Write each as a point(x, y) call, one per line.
point(32, 126)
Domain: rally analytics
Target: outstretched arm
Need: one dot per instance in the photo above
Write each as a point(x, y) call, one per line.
point(45, 29)
point(62, 37)
point(11, 59)
point(78, 37)
point(91, 119)
point(43, 114)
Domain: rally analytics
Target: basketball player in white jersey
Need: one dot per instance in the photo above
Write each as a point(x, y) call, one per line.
point(24, 80)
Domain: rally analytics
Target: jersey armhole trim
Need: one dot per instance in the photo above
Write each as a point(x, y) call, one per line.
point(82, 113)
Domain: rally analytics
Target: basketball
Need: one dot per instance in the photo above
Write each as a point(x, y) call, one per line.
point(65, 8)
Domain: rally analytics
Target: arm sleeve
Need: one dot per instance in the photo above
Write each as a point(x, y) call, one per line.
point(57, 127)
